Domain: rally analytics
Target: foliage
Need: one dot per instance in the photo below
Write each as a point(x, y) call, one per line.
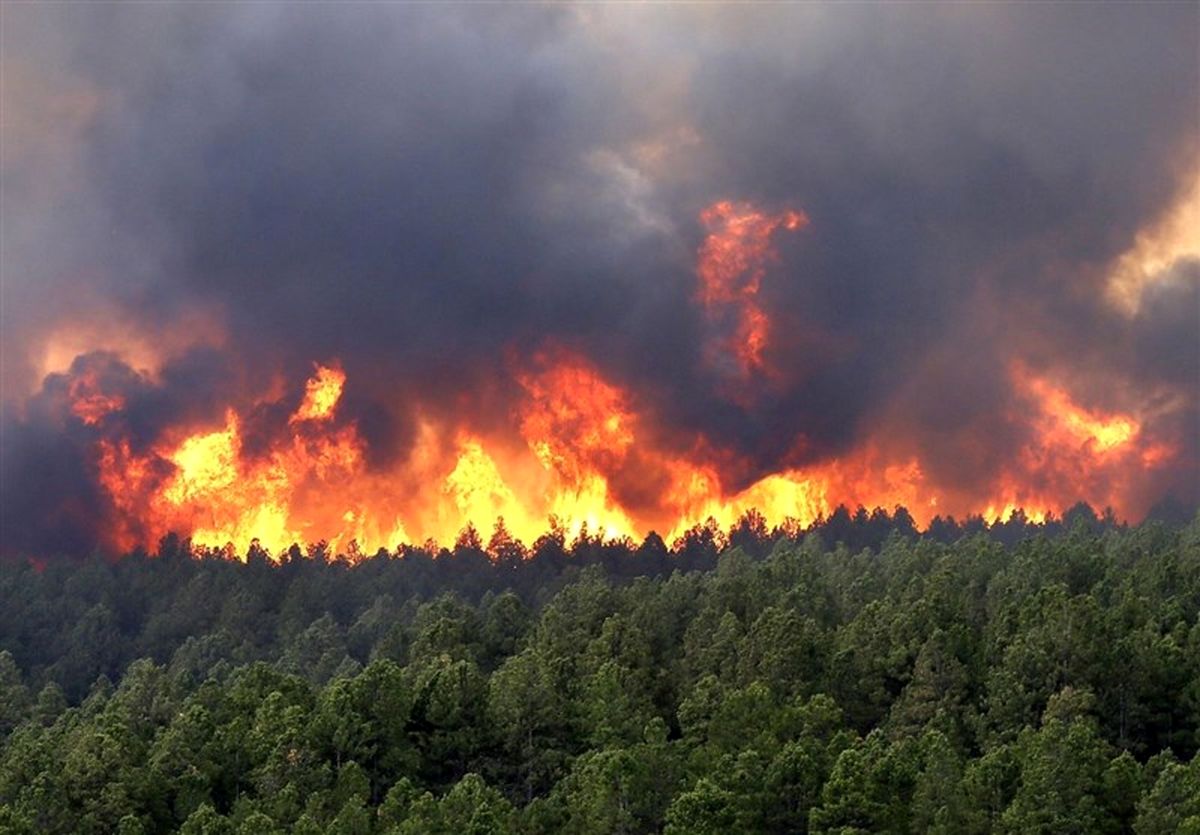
point(1039, 679)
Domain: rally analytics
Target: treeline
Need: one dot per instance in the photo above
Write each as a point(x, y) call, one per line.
point(1017, 679)
point(69, 621)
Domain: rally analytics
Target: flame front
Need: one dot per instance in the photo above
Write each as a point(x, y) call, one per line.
point(1099, 455)
point(578, 449)
point(580, 432)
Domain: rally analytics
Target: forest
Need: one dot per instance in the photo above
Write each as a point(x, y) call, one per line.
point(855, 676)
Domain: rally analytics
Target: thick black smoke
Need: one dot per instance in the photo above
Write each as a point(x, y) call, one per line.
point(424, 192)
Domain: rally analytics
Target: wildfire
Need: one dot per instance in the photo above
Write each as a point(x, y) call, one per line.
point(205, 464)
point(479, 491)
point(1073, 449)
point(578, 448)
point(579, 427)
point(1065, 425)
point(321, 394)
point(731, 265)
point(1104, 433)
point(576, 420)
point(578, 433)
point(89, 403)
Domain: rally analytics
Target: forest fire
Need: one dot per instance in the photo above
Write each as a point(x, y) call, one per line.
point(577, 448)
point(576, 438)
point(657, 312)
point(599, 417)
point(731, 265)
point(90, 405)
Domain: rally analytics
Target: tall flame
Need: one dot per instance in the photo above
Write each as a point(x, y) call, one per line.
point(579, 430)
point(732, 262)
point(321, 394)
point(579, 449)
point(1087, 452)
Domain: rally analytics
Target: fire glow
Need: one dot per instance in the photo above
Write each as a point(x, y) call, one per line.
point(731, 265)
point(579, 450)
point(578, 430)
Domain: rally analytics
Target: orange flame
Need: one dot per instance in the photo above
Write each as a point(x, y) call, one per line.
point(89, 403)
point(321, 394)
point(580, 431)
point(1103, 433)
point(580, 449)
point(1074, 452)
point(732, 262)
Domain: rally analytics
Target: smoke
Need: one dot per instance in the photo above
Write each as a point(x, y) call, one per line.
point(221, 196)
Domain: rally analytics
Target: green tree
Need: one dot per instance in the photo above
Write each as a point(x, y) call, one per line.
point(14, 695)
point(939, 805)
point(528, 712)
point(1062, 768)
point(473, 807)
point(705, 809)
point(620, 790)
point(206, 821)
point(449, 716)
point(1172, 805)
point(870, 788)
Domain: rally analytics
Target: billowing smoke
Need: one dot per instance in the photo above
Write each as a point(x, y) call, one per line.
point(463, 207)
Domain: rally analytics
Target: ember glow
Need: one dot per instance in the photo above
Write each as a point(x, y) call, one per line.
point(90, 405)
point(294, 276)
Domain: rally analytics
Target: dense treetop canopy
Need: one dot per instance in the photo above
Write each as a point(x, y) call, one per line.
point(856, 677)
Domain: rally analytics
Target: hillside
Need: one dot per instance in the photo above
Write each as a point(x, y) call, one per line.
point(785, 685)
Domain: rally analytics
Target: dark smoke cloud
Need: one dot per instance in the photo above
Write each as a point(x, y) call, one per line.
point(52, 499)
point(422, 191)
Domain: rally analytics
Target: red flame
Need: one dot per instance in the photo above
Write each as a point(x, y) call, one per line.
point(89, 403)
point(579, 448)
point(579, 430)
point(731, 264)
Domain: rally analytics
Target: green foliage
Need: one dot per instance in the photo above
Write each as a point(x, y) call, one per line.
point(1173, 803)
point(1049, 685)
point(1062, 787)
